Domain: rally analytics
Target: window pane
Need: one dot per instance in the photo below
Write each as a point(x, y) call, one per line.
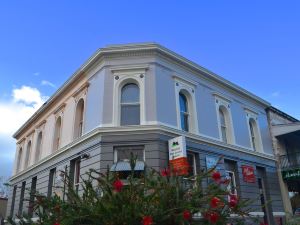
point(222, 118)
point(183, 103)
point(224, 134)
point(130, 114)
point(130, 93)
point(191, 161)
point(184, 121)
point(125, 154)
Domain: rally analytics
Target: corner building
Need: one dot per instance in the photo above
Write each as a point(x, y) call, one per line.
point(134, 98)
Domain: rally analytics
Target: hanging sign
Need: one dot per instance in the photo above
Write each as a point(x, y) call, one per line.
point(177, 155)
point(248, 174)
point(291, 174)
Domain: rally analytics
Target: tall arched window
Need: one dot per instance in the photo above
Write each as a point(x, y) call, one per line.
point(130, 104)
point(254, 134)
point(57, 134)
point(27, 158)
point(223, 124)
point(184, 112)
point(78, 128)
point(38, 147)
point(19, 160)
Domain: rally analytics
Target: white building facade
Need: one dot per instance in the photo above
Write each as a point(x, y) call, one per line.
point(134, 98)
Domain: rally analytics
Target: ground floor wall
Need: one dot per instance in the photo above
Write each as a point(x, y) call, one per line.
point(98, 152)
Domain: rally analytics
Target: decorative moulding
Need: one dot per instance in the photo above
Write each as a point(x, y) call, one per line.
point(221, 96)
point(83, 88)
point(21, 140)
point(60, 108)
point(186, 81)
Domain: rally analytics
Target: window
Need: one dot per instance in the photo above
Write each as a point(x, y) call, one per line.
point(78, 129)
point(75, 173)
point(19, 160)
point(254, 134)
point(191, 158)
point(13, 199)
point(51, 184)
point(223, 125)
point(22, 198)
point(184, 114)
point(232, 182)
point(130, 104)
point(57, 134)
point(122, 157)
point(32, 194)
point(27, 158)
point(38, 147)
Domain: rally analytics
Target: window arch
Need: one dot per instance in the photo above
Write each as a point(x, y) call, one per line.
point(27, 158)
point(254, 135)
point(130, 104)
point(184, 112)
point(57, 134)
point(38, 147)
point(78, 128)
point(19, 160)
point(223, 124)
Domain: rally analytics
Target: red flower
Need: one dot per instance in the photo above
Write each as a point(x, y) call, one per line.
point(214, 217)
point(118, 185)
point(215, 202)
point(216, 176)
point(187, 215)
point(56, 223)
point(165, 172)
point(232, 203)
point(147, 220)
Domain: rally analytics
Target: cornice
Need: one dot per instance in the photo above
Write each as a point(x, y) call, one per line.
point(60, 108)
point(80, 89)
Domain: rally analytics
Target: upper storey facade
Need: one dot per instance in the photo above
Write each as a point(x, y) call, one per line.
point(142, 86)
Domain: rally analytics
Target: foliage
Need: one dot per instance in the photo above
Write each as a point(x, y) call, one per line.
point(152, 198)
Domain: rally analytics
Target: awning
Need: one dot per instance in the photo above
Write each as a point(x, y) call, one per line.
point(125, 166)
point(279, 130)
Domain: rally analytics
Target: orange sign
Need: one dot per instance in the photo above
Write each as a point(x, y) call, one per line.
point(180, 166)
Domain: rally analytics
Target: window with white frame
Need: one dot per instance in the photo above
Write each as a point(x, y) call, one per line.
point(75, 173)
point(57, 134)
point(226, 132)
point(19, 161)
point(184, 112)
point(38, 147)
point(191, 158)
point(254, 132)
point(130, 104)
point(27, 157)
point(230, 175)
point(78, 126)
point(186, 105)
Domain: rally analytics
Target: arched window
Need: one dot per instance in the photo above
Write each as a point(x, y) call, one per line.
point(130, 104)
point(223, 124)
point(27, 158)
point(19, 160)
point(38, 147)
point(254, 134)
point(184, 112)
point(57, 134)
point(78, 128)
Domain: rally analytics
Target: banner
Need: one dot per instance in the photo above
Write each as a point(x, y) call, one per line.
point(177, 155)
point(248, 174)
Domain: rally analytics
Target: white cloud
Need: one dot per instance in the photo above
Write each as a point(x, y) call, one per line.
point(48, 83)
point(23, 103)
point(36, 73)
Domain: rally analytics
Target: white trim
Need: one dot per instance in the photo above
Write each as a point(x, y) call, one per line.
point(252, 115)
point(137, 75)
point(141, 129)
point(189, 91)
point(222, 102)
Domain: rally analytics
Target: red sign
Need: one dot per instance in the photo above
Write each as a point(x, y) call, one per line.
point(248, 174)
point(180, 165)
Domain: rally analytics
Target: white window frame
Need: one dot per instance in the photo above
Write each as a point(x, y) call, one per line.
point(227, 172)
point(187, 88)
point(76, 178)
point(77, 100)
point(251, 115)
point(116, 153)
point(194, 161)
point(223, 102)
point(123, 76)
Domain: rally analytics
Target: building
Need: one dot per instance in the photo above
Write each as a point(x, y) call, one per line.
point(3, 206)
point(285, 132)
point(134, 98)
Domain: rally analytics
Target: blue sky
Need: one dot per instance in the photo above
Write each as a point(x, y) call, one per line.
point(254, 44)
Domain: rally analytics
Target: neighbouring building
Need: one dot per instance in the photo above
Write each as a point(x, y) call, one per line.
point(3, 206)
point(134, 98)
point(285, 132)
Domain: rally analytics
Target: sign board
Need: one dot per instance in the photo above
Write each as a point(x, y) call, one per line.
point(177, 155)
point(291, 174)
point(248, 174)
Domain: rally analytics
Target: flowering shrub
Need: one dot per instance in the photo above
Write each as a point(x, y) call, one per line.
point(155, 198)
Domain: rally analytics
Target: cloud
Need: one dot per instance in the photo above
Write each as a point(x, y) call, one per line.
point(36, 73)
point(275, 94)
point(14, 112)
point(48, 83)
